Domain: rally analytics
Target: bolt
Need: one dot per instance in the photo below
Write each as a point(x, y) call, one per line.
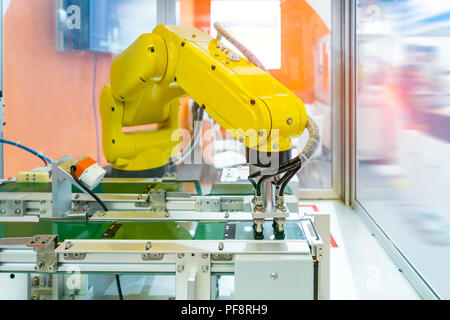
point(227, 256)
point(274, 275)
point(289, 121)
point(145, 256)
point(180, 268)
point(221, 245)
point(68, 245)
point(77, 196)
point(40, 265)
point(18, 211)
point(204, 255)
point(35, 281)
point(205, 268)
point(180, 255)
point(148, 246)
point(3, 211)
point(227, 215)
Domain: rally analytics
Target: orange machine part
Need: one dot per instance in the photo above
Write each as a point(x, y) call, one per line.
point(83, 165)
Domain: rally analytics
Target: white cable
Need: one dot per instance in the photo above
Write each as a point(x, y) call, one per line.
point(221, 32)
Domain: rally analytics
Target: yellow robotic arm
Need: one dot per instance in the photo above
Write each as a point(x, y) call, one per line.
point(149, 77)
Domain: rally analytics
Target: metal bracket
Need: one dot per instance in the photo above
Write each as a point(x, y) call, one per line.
point(14, 208)
point(231, 204)
point(157, 200)
point(46, 257)
point(193, 276)
point(260, 214)
point(222, 257)
point(74, 256)
point(157, 256)
point(212, 204)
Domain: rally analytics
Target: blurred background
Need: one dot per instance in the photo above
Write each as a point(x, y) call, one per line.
point(403, 128)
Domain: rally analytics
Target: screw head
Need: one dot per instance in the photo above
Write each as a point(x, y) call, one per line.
point(289, 121)
point(180, 268)
point(274, 275)
point(204, 255)
point(180, 255)
point(205, 268)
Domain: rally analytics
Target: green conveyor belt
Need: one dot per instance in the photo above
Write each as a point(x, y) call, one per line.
point(106, 187)
point(142, 230)
point(138, 230)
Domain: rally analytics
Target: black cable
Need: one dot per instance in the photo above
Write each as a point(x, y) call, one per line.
point(289, 175)
point(119, 287)
point(273, 172)
point(253, 183)
point(82, 185)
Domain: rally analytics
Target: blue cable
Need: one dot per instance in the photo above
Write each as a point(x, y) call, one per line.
point(44, 158)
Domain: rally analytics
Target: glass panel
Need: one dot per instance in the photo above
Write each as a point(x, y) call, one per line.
point(58, 55)
point(403, 128)
point(293, 41)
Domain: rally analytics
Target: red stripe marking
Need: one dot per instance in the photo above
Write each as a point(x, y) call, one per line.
point(313, 206)
point(333, 242)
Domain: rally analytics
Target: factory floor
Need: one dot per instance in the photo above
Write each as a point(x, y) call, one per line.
point(360, 268)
